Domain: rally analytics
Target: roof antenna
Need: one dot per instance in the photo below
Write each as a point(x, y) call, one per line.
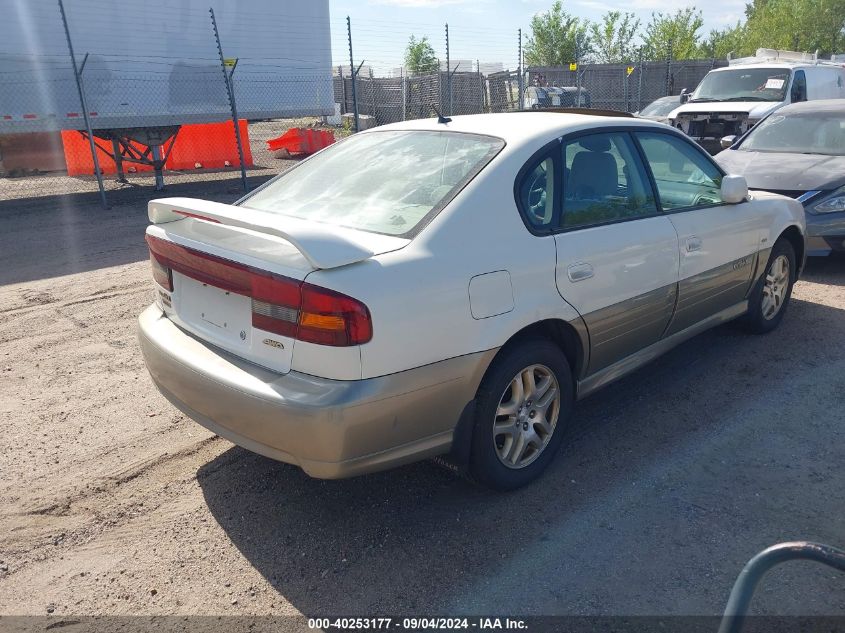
point(440, 117)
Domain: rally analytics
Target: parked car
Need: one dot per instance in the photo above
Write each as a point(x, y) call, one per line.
point(429, 288)
point(660, 109)
point(729, 101)
point(799, 151)
point(540, 97)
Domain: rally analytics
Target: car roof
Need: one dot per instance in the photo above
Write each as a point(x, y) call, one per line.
point(818, 105)
point(521, 127)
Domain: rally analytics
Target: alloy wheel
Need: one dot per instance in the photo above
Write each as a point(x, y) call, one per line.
point(775, 287)
point(526, 417)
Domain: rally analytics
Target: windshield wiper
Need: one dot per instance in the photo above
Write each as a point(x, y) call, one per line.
point(702, 100)
point(746, 99)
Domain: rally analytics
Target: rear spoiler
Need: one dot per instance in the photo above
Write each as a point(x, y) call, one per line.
point(323, 245)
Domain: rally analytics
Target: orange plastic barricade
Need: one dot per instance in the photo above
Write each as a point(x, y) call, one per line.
point(211, 145)
point(199, 145)
point(299, 140)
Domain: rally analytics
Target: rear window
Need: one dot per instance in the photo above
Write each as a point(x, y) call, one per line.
point(388, 182)
point(661, 107)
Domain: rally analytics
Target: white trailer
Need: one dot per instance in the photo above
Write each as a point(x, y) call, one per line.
point(149, 67)
point(156, 63)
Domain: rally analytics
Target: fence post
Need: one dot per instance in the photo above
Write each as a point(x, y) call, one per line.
point(577, 71)
point(352, 73)
point(404, 94)
point(669, 69)
point(640, 81)
point(342, 90)
point(625, 92)
point(449, 71)
point(83, 102)
point(230, 90)
point(519, 71)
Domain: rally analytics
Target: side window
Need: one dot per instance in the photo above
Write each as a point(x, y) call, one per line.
point(799, 87)
point(684, 177)
point(537, 195)
point(604, 181)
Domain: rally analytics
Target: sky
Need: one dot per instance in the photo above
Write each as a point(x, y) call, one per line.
point(484, 30)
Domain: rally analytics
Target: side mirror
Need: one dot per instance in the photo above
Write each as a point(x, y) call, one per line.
point(684, 96)
point(734, 189)
point(727, 141)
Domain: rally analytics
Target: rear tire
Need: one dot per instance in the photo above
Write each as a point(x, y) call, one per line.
point(522, 406)
point(770, 297)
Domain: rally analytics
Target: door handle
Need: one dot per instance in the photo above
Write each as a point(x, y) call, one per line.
point(693, 244)
point(579, 271)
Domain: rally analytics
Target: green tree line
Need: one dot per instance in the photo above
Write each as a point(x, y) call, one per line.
point(558, 37)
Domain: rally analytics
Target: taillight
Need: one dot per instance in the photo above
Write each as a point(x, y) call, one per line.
point(279, 304)
point(330, 318)
point(162, 275)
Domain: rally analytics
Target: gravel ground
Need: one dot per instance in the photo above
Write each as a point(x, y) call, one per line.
point(112, 502)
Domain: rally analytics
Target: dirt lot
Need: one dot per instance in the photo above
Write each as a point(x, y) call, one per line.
point(111, 502)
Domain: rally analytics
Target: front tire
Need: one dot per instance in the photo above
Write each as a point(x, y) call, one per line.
point(770, 297)
point(522, 405)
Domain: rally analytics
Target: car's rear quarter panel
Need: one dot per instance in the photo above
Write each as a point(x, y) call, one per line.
point(419, 297)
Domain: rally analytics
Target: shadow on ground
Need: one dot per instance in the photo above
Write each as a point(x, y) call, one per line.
point(668, 482)
point(50, 236)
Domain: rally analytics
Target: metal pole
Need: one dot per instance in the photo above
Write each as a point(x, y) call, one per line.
point(448, 70)
point(669, 69)
point(404, 95)
point(577, 72)
point(230, 90)
point(83, 102)
point(640, 81)
point(519, 70)
point(342, 89)
point(352, 73)
point(743, 589)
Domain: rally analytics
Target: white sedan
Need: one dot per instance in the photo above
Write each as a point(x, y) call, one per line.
point(452, 287)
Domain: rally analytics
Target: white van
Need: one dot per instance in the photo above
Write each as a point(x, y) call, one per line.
point(730, 100)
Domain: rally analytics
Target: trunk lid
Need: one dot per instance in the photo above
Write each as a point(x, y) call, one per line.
point(225, 261)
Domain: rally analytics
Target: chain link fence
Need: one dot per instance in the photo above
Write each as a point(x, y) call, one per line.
point(152, 119)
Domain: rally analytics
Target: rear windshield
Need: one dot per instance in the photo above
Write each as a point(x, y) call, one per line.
point(661, 107)
point(805, 133)
point(385, 182)
point(743, 84)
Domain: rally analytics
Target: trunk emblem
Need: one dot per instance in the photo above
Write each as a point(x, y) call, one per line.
point(273, 343)
point(243, 335)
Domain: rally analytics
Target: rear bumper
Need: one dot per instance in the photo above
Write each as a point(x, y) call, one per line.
point(330, 428)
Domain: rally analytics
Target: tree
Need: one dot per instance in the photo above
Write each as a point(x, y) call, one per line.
point(557, 38)
point(731, 39)
point(420, 57)
point(800, 25)
point(673, 34)
point(613, 37)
